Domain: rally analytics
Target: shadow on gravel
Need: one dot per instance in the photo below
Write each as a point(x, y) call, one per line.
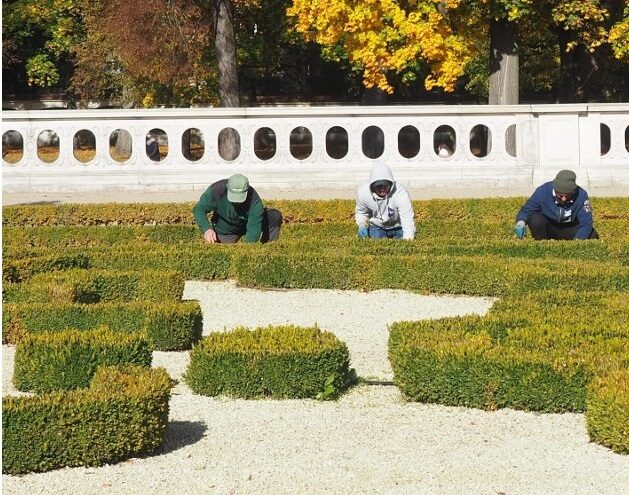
point(180, 434)
point(36, 203)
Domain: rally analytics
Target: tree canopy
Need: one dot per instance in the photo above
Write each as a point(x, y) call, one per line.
point(385, 37)
point(166, 52)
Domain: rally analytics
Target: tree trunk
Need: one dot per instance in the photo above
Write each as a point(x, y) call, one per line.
point(225, 45)
point(503, 63)
point(373, 96)
point(504, 70)
point(577, 68)
point(124, 144)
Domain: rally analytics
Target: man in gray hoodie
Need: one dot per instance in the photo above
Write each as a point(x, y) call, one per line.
point(383, 207)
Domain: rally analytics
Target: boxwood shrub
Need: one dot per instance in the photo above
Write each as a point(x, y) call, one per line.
point(560, 320)
point(168, 326)
point(92, 286)
point(457, 368)
point(608, 410)
point(68, 360)
point(311, 211)
point(276, 362)
point(123, 413)
point(17, 270)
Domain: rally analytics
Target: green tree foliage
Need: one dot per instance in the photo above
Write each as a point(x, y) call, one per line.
point(37, 36)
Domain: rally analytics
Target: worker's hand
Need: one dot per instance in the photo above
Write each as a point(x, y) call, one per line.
point(363, 232)
point(520, 229)
point(210, 236)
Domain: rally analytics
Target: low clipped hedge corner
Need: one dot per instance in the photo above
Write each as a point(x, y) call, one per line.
point(273, 362)
point(452, 367)
point(19, 270)
point(69, 359)
point(608, 410)
point(93, 286)
point(124, 413)
point(168, 326)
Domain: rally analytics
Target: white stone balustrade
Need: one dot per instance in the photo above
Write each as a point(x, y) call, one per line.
point(592, 139)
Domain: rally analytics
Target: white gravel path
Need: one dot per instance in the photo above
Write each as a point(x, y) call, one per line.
point(370, 441)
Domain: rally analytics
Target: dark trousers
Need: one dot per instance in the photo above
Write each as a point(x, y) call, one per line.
point(271, 224)
point(543, 228)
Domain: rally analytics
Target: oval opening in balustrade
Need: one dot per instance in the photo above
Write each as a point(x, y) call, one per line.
point(606, 140)
point(510, 141)
point(48, 146)
point(336, 142)
point(373, 142)
point(84, 146)
point(156, 145)
point(480, 140)
point(192, 144)
point(229, 144)
point(12, 147)
point(444, 141)
point(120, 145)
point(627, 138)
point(408, 141)
point(264, 143)
point(300, 143)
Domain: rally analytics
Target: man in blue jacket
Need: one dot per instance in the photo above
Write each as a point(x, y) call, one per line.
point(557, 210)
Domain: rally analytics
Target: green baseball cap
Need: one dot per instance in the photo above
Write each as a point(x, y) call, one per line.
point(237, 187)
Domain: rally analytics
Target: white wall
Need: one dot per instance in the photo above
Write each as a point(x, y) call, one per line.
point(548, 138)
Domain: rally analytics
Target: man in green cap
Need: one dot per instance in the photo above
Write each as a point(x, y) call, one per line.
point(237, 211)
point(557, 210)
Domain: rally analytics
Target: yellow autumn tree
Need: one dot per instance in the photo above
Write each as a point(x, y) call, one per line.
point(384, 36)
point(619, 36)
point(380, 36)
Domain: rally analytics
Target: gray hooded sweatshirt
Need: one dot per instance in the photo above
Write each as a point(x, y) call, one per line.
point(392, 211)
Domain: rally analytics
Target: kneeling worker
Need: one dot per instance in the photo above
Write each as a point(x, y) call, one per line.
point(383, 207)
point(237, 211)
point(557, 210)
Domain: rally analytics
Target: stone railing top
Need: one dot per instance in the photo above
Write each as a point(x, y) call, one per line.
point(310, 111)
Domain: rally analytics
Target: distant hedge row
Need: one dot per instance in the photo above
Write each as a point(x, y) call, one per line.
point(294, 267)
point(314, 211)
point(436, 238)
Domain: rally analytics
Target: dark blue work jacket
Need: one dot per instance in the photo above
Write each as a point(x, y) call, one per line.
point(576, 211)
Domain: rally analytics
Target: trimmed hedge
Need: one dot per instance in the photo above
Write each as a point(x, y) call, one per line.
point(493, 276)
point(68, 360)
point(93, 286)
point(608, 410)
point(22, 269)
point(276, 362)
point(561, 319)
point(168, 326)
point(453, 368)
point(437, 237)
point(294, 267)
point(15, 239)
point(314, 211)
point(124, 413)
